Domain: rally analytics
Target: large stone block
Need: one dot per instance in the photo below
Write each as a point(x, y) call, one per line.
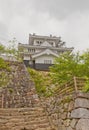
point(81, 102)
point(83, 124)
point(82, 95)
point(80, 113)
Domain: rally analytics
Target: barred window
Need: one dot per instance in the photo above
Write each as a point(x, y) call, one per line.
point(47, 62)
point(31, 50)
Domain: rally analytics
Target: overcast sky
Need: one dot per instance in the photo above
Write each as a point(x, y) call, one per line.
point(66, 18)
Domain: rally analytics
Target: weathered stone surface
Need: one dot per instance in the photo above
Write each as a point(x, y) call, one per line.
point(81, 102)
point(61, 110)
point(66, 105)
point(83, 124)
point(64, 115)
point(83, 95)
point(71, 106)
point(20, 90)
point(69, 115)
point(29, 114)
point(66, 122)
point(80, 113)
point(73, 123)
point(20, 118)
point(69, 128)
point(62, 128)
point(20, 107)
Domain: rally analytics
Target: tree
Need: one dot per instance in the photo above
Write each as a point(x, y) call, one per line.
point(12, 51)
point(2, 49)
point(85, 63)
point(68, 65)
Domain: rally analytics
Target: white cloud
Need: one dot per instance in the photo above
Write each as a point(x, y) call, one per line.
point(76, 32)
point(68, 19)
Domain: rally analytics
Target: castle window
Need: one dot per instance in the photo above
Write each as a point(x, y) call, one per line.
point(31, 50)
point(51, 43)
point(39, 42)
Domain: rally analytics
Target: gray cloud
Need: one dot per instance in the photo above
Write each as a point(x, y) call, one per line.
point(61, 8)
point(66, 18)
point(55, 8)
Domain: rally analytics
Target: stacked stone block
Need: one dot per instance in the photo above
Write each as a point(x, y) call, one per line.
point(24, 119)
point(70, 112)
point(20, 90)
point(20, 107)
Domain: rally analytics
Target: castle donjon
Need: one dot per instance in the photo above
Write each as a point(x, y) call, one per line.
point(41, 51)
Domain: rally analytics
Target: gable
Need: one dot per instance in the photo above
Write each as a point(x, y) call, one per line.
point(46, 44)
point(45, 52)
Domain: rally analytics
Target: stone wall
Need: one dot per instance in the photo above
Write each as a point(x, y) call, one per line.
point(20, 107)
point(80, 113)
point(20, 89)
point(66, 112)
point(70, 112)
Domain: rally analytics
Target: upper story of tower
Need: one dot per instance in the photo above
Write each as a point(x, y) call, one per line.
point(49, 41)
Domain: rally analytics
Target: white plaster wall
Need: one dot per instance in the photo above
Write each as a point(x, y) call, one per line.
point(38, 50)
point(44, 57)
point(26, 58)
point(35, 42)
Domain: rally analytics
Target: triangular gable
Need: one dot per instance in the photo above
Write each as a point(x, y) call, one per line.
point(47, 52)
point(46, 44)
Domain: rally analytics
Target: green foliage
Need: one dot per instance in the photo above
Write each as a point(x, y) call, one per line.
point(2, 48)
point(66, 100)
point(86, 86)
point(68, 65)
point(85, 63)
point(11, 90)
point(4, 68)
point(64, 68)
point(37, 78)
point(3, 79)
point(12, 49)
point(42, 82)
point(4, 65)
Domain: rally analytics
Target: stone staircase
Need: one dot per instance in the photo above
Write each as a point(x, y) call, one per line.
point(24, 119)
point(20, 107)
